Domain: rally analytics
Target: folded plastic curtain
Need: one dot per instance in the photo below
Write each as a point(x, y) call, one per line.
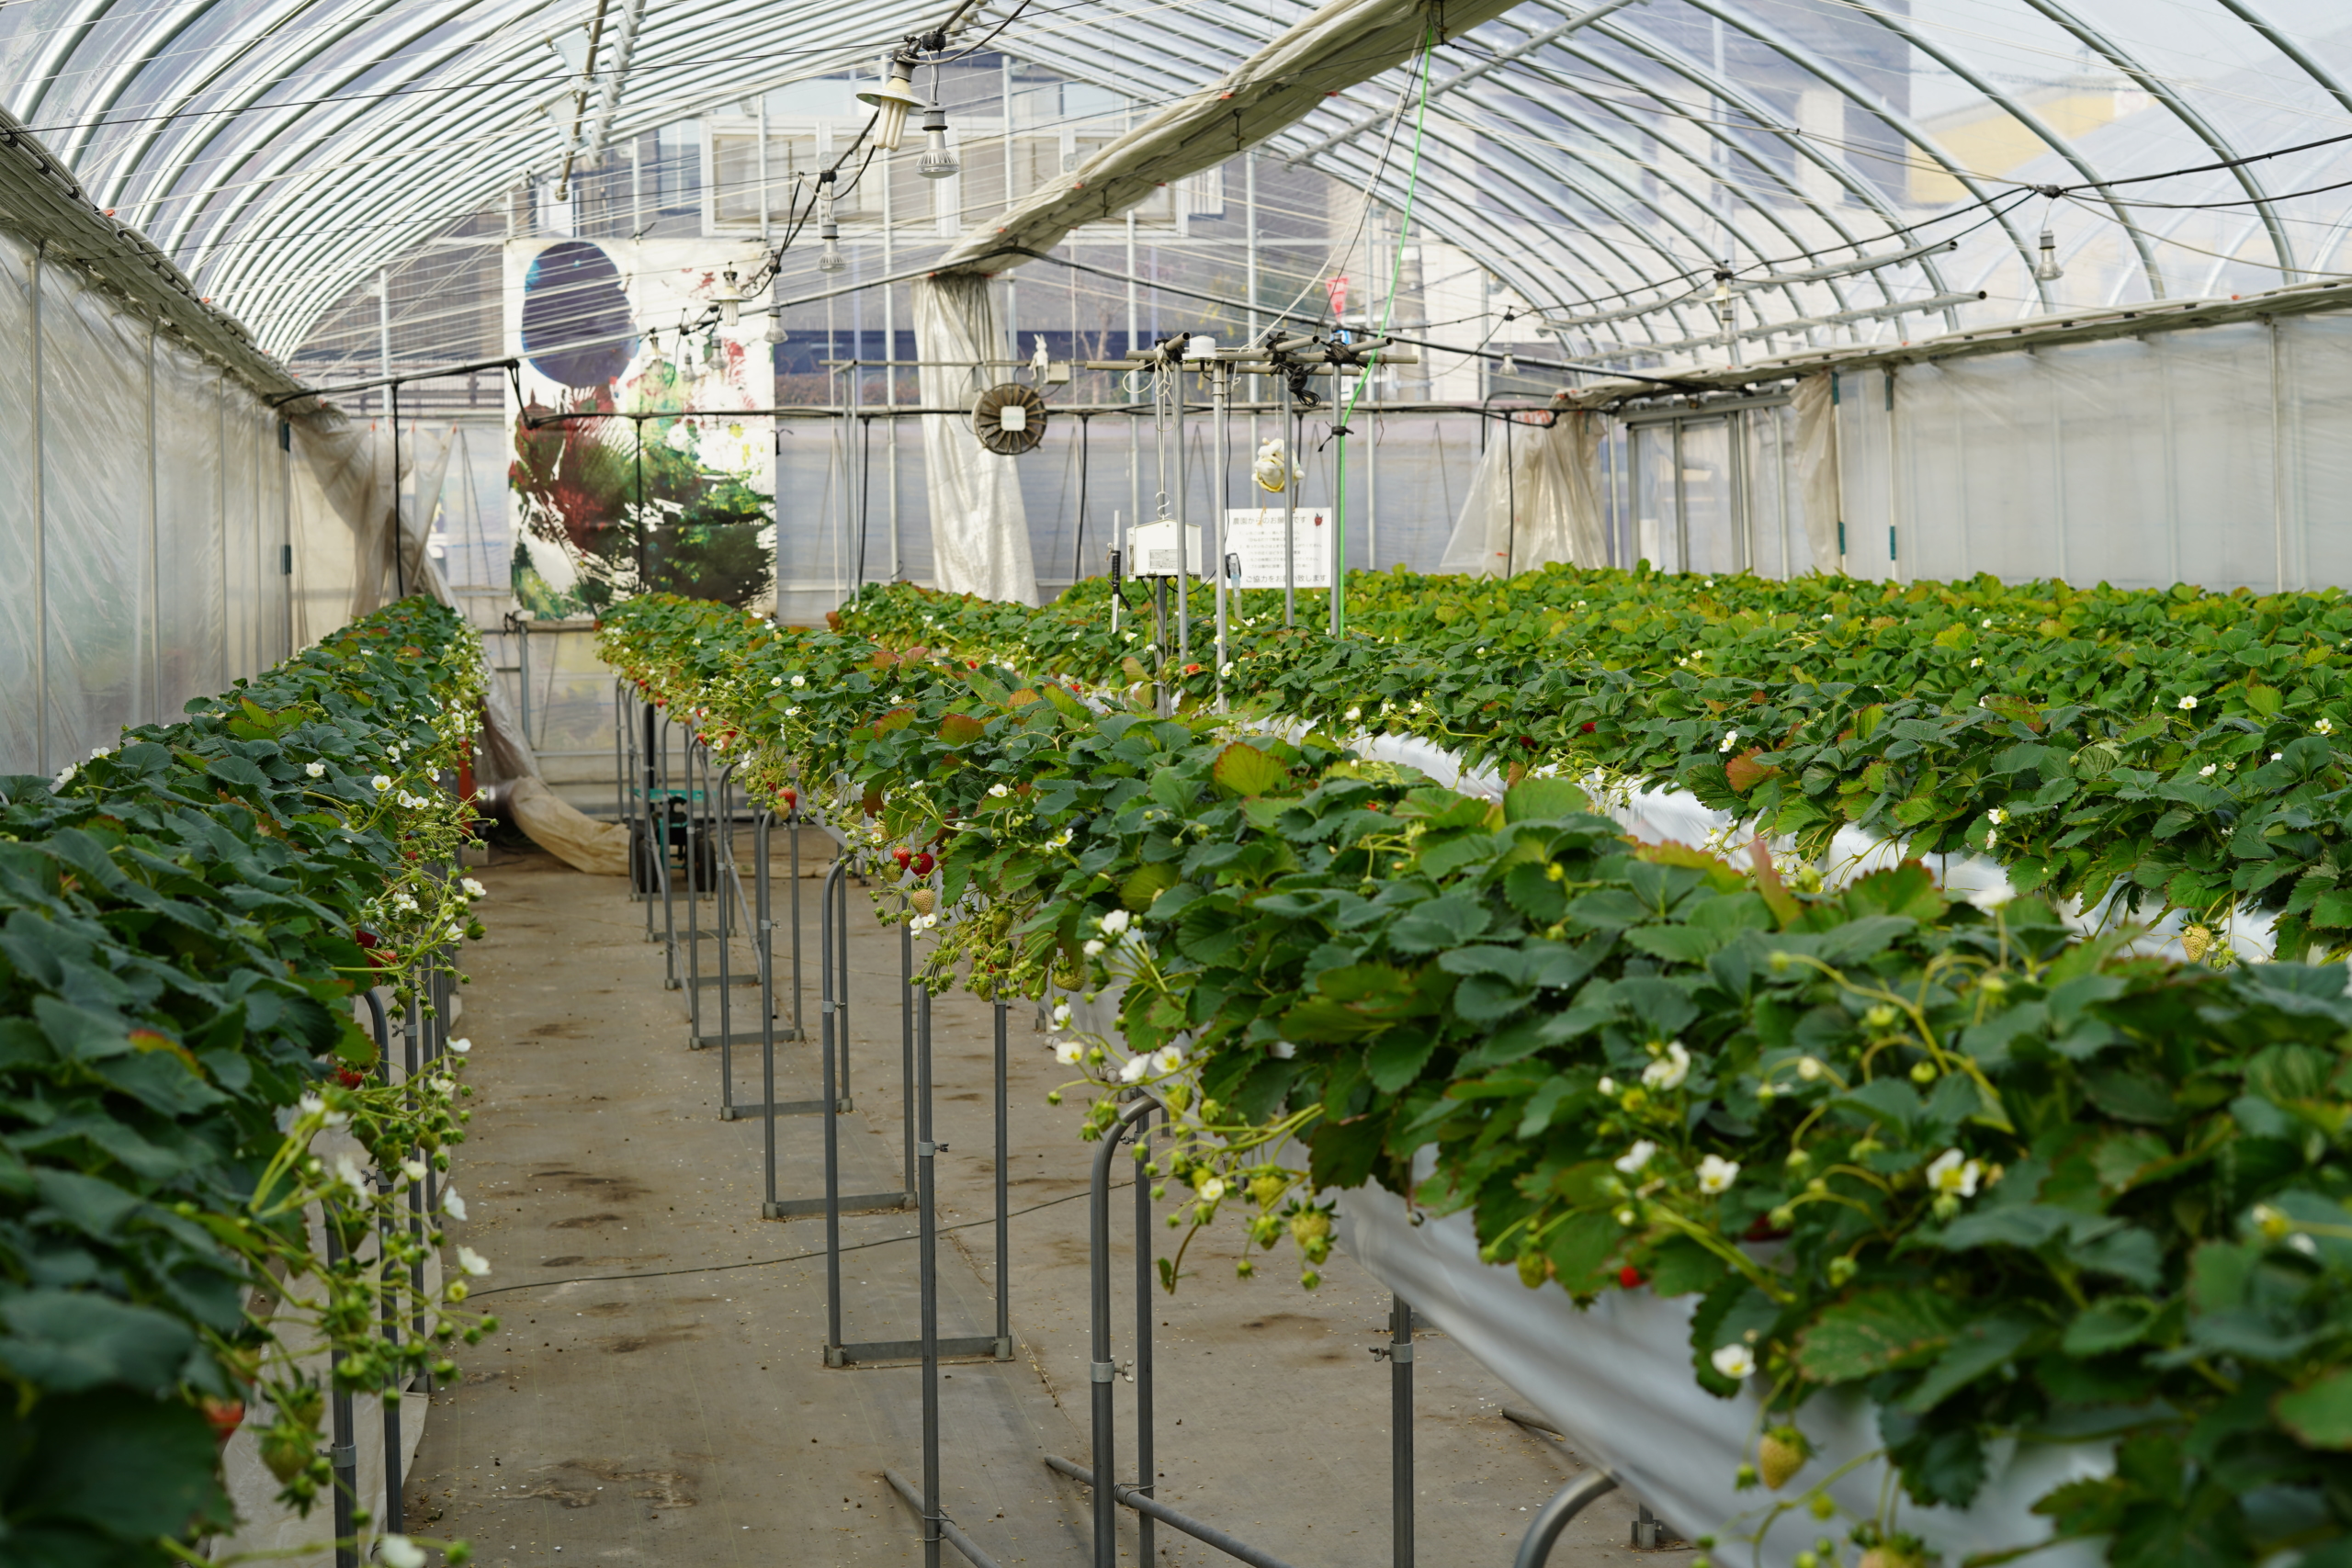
point(1815, 403)
point(352, 481)
point(1534, 499)
point(979, 529)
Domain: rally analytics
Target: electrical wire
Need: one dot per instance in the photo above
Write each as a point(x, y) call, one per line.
point(788, 1258)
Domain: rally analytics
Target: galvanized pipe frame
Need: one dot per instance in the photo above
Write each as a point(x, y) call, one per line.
point(1102, 1372)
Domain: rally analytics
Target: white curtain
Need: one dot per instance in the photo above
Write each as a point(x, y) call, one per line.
point(1815, 403)
point(1535, 497)
point(979, 530)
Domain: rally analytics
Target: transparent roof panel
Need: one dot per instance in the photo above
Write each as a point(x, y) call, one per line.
point(1605, 160)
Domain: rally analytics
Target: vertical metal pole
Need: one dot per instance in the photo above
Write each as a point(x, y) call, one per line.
point(907, 990)
point(40, 512)
point(840, 981)
point(792, 837)
point(723, 850)
point(1101, 1372)
point(1003, 1205)
point(694, 889)
point(1223, 384)
point(927, 1246)
point(1249, 263)
point(762, 841)
point(1400, 1427)
point(1337, 616)
point(1290, 522)
point(342, 1453)
point(831, 1104)
point(620, 765)
point(1145, 1462)
point(1185, 552)
point(1135, 426)
point(391, 1520)
point(669, 822)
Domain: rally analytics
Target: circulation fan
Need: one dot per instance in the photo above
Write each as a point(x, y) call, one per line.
point(1010, 419)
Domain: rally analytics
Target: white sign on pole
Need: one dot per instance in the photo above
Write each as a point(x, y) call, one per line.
point(1256, 535)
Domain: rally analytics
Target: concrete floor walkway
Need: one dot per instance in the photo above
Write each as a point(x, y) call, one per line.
point(656, 1393)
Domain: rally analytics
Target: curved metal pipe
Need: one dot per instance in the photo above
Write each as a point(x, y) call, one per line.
point(1535, 1547)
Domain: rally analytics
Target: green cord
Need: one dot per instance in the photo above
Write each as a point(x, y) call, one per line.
point(1388, 312)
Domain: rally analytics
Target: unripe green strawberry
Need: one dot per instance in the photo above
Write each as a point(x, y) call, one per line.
point(1781, 1454)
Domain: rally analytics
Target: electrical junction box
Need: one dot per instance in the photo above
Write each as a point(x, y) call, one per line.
point(1152, 550)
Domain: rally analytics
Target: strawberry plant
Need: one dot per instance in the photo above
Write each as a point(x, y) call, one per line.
point(184, 920)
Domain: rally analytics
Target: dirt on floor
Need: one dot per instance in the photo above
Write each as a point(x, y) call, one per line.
point(657, 1391)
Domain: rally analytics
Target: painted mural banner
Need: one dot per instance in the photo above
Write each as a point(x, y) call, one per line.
point(638, 464)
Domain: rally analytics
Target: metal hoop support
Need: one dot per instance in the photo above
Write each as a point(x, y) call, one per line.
point(1104, 1371)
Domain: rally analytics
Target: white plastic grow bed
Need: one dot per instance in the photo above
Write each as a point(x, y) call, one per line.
point(1616, 1380)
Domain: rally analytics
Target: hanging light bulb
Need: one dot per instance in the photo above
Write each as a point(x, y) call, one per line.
point(775, 332)
point(938, 161)
point(729, 297)
point(1510, 364)
point(829, 259)
point(893, 99)
point(2049, 271)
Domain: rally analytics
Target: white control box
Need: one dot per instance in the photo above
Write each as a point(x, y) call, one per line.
point(1152, 550)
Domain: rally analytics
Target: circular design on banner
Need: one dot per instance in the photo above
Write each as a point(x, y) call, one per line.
point(576, 325)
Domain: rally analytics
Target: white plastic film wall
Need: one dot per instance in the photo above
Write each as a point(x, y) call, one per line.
point(144, 494)
point(2216, 456)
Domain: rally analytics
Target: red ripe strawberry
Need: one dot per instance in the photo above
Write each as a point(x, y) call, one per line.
point(1192, 669)
point(350, 1077)
point(1528, 741)
point(791, 800)
point(365, 937)
point(902, 855)
point(921, 864)
point(1590, 726)
point(1631, 1277)
point(225, 1416)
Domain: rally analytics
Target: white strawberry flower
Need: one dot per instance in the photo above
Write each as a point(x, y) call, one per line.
point(1068, 1053)
point(414, 1169)
point(453, 1205)
point(1716, 1174)
point(399, 1552)
point(65, 776)
point(1669, 1070)
point(2207, 772)
point(2187, 704)
point(1136, 1069)
point(1167, 1058)
point(1632, 1160)
point(473, 889)
point(316, 770)
point(460, 1045)
point(1735, 1361)
point(1116, 921)
point(472, 1263)
point(381, 782)
point(1061, 1015)
point(348, 1174)
point(1211, 1189)
point(1954, 1173)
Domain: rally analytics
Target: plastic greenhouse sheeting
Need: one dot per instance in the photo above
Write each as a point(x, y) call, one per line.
point(2208, 454)
point(1616, 1380)
point(141, 565)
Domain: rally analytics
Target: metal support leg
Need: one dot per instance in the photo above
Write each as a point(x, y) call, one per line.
point(1145, 1461)
point(342, 1453)
point(695, 802)
point(927, 1264)
point(907, 990)
point(389, 1520)
point(1102, 1370)
point(1004, 1202)
point(1400, 1428)
point(669, 820)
